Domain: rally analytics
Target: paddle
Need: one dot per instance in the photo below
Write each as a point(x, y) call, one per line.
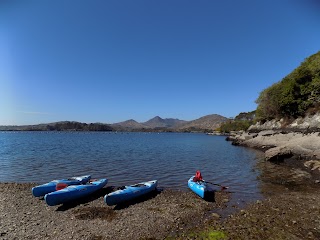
point(222, 187)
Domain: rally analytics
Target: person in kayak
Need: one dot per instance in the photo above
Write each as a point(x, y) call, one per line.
point(198, 177)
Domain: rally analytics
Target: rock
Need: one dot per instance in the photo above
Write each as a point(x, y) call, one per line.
point(310, 121)
point(268, 125)
point(316, 154)
point(267, 133)
point(299, 124)
point(215, 215)
point(313, 164)
point(235, 143)
point(300, 174)
point(242, 212)
point(277, 154)
point(230, 138)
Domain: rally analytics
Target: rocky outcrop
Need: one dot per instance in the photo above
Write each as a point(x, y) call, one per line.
point(278, 145)
point(280, 139)
point(268, 125)
point(308, 123)
point(277, 154)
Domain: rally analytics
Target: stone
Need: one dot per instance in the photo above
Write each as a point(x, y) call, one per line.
point(215, 215)
point(277, 154)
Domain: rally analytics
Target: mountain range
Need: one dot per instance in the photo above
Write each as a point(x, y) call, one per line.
point(206, 123)
point(209, 123)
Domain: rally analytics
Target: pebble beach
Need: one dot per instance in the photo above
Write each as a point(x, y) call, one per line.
point(165, 214)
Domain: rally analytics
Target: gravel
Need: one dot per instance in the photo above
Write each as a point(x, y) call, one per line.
point(158, 215)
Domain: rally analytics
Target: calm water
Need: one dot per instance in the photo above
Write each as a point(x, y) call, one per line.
point(127, 158)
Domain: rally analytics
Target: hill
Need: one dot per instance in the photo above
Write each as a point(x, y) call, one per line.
point(128, 125)
point(158, 122)
point(295, 95)
point(60, 126)
point(206, 123)
point(203, 124)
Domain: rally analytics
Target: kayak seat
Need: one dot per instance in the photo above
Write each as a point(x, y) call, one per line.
point(138, 185)
point(60, 186)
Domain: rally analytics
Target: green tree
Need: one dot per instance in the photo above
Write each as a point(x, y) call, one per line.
point(294, 94)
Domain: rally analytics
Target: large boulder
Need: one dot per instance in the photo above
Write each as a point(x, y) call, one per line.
point(277, 154)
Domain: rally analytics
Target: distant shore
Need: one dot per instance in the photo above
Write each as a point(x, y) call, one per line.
point(157, 124)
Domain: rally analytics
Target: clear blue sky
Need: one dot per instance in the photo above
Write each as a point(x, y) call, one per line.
point(110, 61)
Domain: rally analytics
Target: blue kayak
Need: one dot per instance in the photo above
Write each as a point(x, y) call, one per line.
point(200, 188)
point(127, 193)
point(49, 187)
point(74, 192)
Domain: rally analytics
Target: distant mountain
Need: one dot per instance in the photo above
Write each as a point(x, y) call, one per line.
point(158, 122)
point(206, 123)
point(127, 125)
point(209, 122)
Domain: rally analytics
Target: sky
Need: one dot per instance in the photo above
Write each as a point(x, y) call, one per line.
point(110, 61)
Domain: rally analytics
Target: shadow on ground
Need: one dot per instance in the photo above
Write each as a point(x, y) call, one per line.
point(94, 196)
point(143, 198)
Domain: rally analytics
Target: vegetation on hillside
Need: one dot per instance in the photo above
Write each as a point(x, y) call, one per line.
point(294, 95)
point(241, 122)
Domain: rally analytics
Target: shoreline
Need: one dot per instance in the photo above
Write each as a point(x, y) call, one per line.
point(297, 150)
point(162, 214)
point(291, 211)
point(166, 214)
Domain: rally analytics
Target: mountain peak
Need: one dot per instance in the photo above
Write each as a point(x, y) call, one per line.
point(158, 122)
point(156, 118)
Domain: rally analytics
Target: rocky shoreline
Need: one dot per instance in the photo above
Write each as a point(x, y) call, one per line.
point(297, 149)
